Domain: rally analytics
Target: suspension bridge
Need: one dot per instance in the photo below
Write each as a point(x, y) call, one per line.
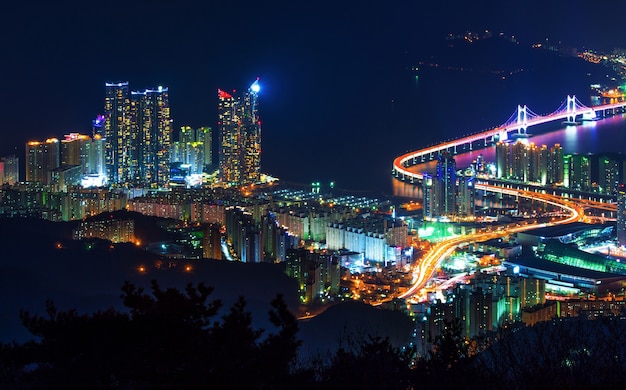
point(571, 112)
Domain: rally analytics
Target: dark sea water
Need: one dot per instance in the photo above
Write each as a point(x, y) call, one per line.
point(357, 138)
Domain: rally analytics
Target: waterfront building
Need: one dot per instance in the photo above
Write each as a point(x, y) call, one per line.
point(534, 163)
point(9, 170)
point(608, 174)
point(577, 172)
point(519, 161)
point(467, 194)
point(555, 165)
point(446, 173)
point(240, 137)
point(41, 159)
point(430, 196)
point(503, 160)
point(544, 159)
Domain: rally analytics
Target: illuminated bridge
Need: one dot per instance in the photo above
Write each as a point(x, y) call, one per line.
point(571, 111)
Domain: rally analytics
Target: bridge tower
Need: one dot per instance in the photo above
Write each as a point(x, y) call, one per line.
point(571, 108)
point(522, 119)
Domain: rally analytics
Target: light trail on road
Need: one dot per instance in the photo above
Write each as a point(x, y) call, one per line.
point(440, 251)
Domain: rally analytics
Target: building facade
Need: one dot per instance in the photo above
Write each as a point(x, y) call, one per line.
point(137, 130)
point(41, 159)
point(240, 137)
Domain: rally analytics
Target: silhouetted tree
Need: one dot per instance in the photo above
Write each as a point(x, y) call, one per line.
point(168, 339)
point(373, 364)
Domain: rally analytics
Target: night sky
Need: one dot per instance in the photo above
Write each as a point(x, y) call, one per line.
point(313, 58)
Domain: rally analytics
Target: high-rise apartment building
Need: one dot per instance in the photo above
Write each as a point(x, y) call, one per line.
point(430, 196)
point(117, 132)
point(137, 130)
point(577, 172)
point(608, 174)
point(503, 160)
point(446, 173)
point(519, 161)
point(150, 137)
point(41, 159)
point(76, 150)
point(240, 137)
point(204, 135)
point(192, 148)
point(555, 165)
point(467, 194)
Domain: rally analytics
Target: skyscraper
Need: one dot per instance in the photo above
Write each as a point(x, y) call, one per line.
point(191, 148)
point(137, 129)
point(577, 172)
point(240, 137)
point(519, 161)
point(204, 135)
point(555, 165)
point(608, 174)
point(41, 159)
point(76, 150)
point(467, 194)
point(117, 132)
point(446, 173)
point(151, 136)
point(503, 160)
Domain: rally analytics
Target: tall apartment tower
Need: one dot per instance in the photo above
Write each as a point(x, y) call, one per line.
point(503, 160)
point(555, 165)
point(137, 129)
point(446, 173)
point(519, 161)
point(577, 172)
point(608, 174)
point(204, 135)
point(117, 132)
point(76, 150)
point(466, 194)
point(240, 136)
point(41, 159)
point(150, 137)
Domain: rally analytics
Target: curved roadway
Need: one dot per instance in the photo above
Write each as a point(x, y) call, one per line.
point(426, 268)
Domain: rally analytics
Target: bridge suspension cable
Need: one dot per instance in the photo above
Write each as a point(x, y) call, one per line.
point(522, 115)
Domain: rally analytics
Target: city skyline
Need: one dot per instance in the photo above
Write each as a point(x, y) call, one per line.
point(65, 54)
